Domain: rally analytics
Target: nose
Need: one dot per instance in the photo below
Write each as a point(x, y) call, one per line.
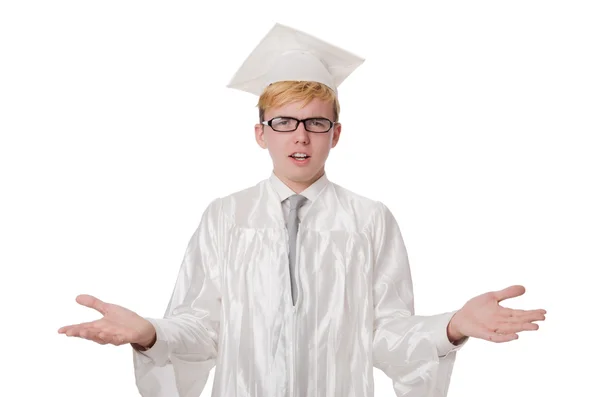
point(301, 135)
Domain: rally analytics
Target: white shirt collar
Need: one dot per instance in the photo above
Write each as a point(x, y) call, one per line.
point(311, 192)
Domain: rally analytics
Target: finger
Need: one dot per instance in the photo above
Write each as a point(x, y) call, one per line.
point(90, 337)
point(92, 302)
point(527, 317)
point(539, 313)
point(76, 328)
point(77, 332)
point(517, 313)
point(510, 292)
point(500, 338)
point(101, 336)
point(65, 329)
point(94, 336)
point(494, 334)
point(510, 328)
point(73, 331)
point(509, 313)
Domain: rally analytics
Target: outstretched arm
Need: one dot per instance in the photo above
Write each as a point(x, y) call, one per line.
point(418, 352)
point(483, 317)
point(415, 352)
point(174, 355)
point(117, 326)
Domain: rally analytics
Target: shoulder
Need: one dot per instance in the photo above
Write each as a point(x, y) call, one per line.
point(248, 192)
point(352, 197)
point(373, 217)
point(235, 207)
point(237, 200)
point(241, 195)
point(366, 210)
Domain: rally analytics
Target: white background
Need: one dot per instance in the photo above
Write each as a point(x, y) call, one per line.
point(475, 122)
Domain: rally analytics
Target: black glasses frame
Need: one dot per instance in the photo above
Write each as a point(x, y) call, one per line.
point(270, 124)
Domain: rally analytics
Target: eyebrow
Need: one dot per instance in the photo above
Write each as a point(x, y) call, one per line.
point(293, 117)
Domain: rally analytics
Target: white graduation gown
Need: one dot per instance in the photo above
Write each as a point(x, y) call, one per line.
point(231, 306)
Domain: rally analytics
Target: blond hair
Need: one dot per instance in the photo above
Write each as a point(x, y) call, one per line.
point(282, 93)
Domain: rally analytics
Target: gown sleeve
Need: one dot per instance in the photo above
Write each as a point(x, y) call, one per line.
point(185, 352)
point(413, 351)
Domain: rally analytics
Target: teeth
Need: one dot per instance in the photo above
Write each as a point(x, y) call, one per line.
point(299, 155)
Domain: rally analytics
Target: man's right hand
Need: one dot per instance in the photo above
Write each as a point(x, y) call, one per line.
point(118, 325)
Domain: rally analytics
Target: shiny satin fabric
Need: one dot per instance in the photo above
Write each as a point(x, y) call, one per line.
point(232, 306)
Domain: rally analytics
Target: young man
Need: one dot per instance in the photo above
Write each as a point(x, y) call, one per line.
point(297, 286)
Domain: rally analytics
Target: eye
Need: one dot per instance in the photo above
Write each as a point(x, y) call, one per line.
point(281, 122)
point(317, 123)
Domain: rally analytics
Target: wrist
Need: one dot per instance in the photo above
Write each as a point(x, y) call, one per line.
point(145, 345)
point(147, 338)
point(150, 342)
point(454, 335)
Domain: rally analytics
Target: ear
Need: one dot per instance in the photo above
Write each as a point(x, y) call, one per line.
point(259, 134)
point(337, 130)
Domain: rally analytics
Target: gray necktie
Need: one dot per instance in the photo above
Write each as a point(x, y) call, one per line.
point(296, 201)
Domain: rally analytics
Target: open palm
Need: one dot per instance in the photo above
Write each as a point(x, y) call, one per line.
point(118, 325)
point(483, 317)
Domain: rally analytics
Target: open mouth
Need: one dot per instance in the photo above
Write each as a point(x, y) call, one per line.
point(299, 156)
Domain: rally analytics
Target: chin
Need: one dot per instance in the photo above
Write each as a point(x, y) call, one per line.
point(299, 174)
point(304, 175)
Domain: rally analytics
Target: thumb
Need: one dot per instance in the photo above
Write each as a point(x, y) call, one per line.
point(92, 302)
point(510, 292)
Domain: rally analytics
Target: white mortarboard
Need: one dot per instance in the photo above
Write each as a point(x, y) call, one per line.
point(289, 54)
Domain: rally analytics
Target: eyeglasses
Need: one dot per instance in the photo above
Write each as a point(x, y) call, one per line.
point(289, 124)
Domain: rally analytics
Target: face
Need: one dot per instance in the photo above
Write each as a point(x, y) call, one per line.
point(299, 174)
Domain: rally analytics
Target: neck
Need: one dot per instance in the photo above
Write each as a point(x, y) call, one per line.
point(299, 186)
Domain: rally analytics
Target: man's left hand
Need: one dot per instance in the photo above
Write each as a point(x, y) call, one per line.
point(482, 317)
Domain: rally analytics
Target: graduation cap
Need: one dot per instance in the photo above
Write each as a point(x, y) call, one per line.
point(287, 54)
